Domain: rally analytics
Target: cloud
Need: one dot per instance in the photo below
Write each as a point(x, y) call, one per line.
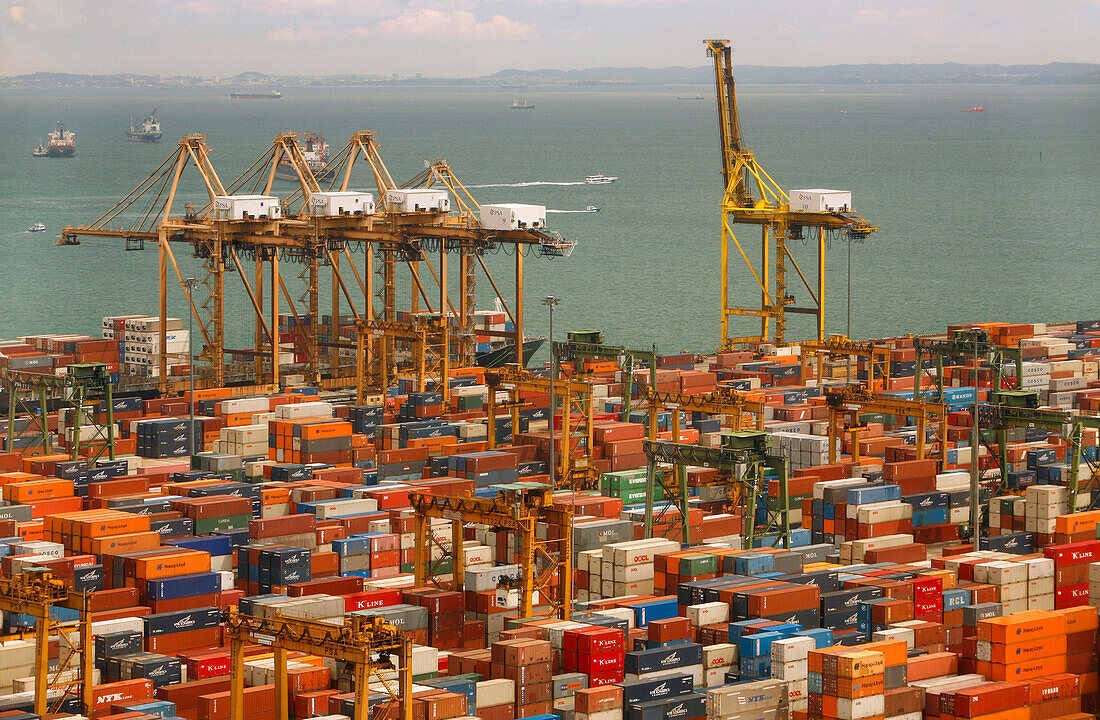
point(17, 12)
point(289, 34)
point(454, 24)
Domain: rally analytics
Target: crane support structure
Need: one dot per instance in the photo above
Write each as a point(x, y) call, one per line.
point(1020, 409)
point(593, 348)
point(34, 593)
point(966, 345)
point(367, 643)
point(852, 400)
point(839, 346)
point(546, 564)
point(752, 197)
point(265, 253)
point(741, 462)
point(573, 397)
point(31, 393)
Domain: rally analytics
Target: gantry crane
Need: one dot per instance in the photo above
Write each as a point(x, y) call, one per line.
point(572, 397)
point(367, 643)
point(768, 206)
point(840, 346)
point(33, 593)
point(971, 344)
point(854, 400)
point(742, 461)
point(30, 395)
point(590, 346)
point(310, 241)
point(1020, 409)
point(546, 563)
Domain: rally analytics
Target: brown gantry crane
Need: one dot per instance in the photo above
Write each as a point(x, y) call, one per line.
point(752, 197)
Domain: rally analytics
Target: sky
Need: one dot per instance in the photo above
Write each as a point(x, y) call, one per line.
point(463, 38)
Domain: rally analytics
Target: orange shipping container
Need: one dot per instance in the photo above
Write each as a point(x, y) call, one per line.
point(32, 490)
point(184, 562)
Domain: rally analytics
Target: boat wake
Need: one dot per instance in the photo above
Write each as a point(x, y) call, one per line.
point(528, 184)
point(571, 211)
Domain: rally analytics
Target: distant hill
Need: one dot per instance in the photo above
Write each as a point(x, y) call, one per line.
point(1049, 74)
point(826, 74)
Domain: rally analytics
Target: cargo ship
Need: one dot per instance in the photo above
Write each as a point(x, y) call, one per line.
point(517, 105)
point(977, 108)
point(314, 151)
point(256, 95)
point(149, 130)
point(504, 353)
point(61, 142)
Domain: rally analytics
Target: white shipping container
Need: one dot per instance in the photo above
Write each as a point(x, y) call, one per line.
point(418, 200)
point(246, 207)
point(349, 202)
point(512, 216)
point(821, 200)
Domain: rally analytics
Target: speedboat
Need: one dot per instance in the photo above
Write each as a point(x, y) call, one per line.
point(591, 208)
point(37, 227)
point(599, 180)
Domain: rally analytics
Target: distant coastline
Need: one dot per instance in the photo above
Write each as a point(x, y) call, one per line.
point(1056, 73)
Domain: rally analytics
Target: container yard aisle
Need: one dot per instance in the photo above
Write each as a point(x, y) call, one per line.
point(272, 572)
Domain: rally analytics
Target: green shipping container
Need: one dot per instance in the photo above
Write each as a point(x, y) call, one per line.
point(228, 522)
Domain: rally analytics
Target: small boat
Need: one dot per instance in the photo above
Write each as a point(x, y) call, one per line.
point(516, 105)
point(40, 150)
point(690, 97)
point(591, 208)
point(37, 227)
point(149, 131)
point(599, 180)
point(976, 108)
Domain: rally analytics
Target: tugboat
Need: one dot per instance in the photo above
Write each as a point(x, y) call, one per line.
point(62, 143)
point(40, 150)
point(148, 132)
point(315, 151)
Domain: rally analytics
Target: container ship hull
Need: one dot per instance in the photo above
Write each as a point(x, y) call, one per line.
point(506, 354)
point(61, 152)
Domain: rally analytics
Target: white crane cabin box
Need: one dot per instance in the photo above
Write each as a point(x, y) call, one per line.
point(418, 200)
point(350, 202)
point(247, 207)
point(513, 216)
point(820, 200)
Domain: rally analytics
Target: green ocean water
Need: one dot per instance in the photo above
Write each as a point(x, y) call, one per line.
point(982, 215)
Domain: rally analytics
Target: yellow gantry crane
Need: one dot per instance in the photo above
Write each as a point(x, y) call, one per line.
point(839, 346)
point(33, 593)
point(546, 563)
point(571, 397)
point(752, 197)
point(367, 643)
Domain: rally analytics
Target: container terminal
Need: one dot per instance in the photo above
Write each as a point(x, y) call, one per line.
point(354, 519)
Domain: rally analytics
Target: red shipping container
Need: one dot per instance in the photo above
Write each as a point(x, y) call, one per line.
point(103, 696)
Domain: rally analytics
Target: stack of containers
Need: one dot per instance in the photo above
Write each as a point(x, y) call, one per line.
point(527, 663)
point(1021, 646)
point(1071, 573)
point(598, 652)
point(847, 683)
